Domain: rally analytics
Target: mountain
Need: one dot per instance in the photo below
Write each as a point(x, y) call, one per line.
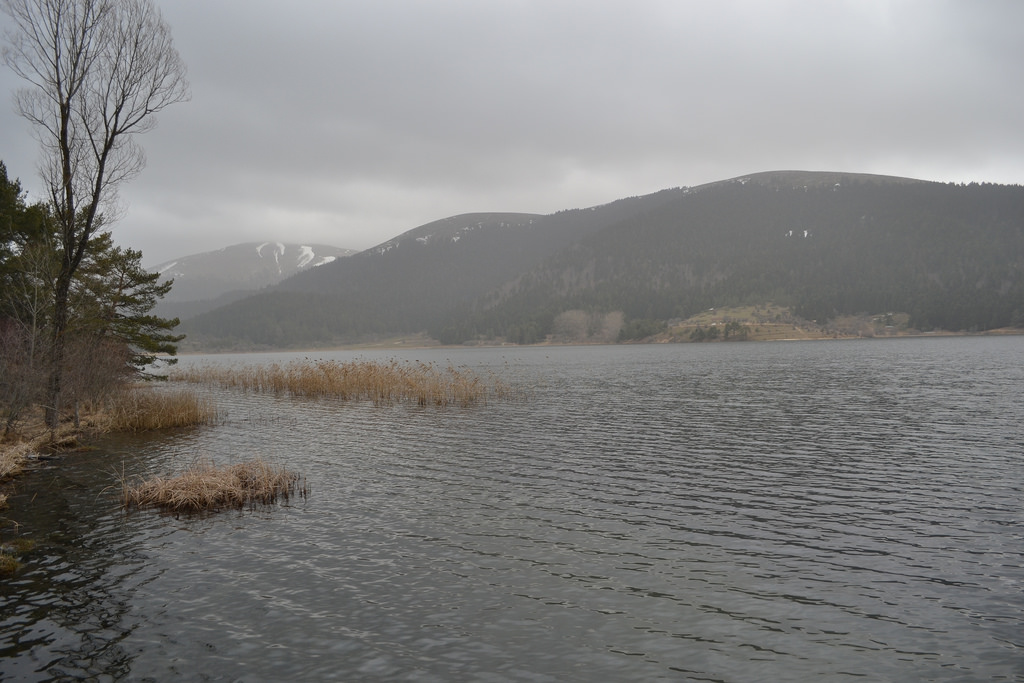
point(211, 279)
point(404, 284)
point(823, 245)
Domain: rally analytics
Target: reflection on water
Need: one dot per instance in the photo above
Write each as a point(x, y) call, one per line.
point(736, 512)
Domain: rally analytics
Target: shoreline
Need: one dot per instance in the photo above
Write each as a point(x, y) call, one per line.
point(406, 343)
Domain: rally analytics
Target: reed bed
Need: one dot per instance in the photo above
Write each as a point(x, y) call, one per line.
point(384, 383)
point(204, 487)
point(139, 409)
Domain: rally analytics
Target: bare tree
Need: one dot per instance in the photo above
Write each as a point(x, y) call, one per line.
point(27, 298)
point(21, 376)
point(98, 71)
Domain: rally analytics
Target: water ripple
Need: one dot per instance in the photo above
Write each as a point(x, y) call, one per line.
point(813, 511)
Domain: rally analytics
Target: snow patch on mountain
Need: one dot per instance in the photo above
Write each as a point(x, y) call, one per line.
point(306, 254)
point(241, 267)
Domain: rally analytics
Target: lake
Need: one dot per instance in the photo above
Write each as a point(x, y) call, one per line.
point(797, 511)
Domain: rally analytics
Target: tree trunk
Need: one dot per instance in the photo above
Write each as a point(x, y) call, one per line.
point(60, 323)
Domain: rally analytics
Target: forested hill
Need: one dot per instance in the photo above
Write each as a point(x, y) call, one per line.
point(824, 244)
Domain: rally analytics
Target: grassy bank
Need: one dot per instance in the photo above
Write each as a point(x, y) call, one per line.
point(133, 409)
point(12, 459)
point(380, 382)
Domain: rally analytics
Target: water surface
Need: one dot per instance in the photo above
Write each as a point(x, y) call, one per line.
point(726, 512)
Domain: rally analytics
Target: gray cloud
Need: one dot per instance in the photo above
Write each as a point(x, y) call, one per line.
point(348, 123)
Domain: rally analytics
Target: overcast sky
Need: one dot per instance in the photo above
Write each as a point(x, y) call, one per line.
point(347, 123)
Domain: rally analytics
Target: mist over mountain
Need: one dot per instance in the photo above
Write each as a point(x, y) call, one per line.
point(211, 279)
point(822, 244)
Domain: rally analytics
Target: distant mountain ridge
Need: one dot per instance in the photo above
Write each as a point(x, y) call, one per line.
point(795, 180)
point(822, 244)
point(454, 228)
point(206, 280)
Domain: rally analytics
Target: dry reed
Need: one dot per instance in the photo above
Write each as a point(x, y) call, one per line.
point(205, 487)
point(13, 458)
point(384, 383)
point(139, 409)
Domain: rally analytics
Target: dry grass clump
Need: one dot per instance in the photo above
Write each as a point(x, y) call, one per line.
point(17, 450)
point(383, 383)
point(205, 487)
point(13, 458)
point(8, 564)
point(139, 409)
point(9, 553)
